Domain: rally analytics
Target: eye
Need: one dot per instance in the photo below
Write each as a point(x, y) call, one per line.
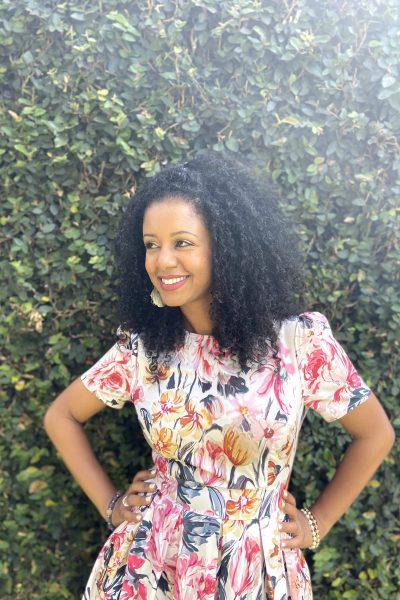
point(148, 244)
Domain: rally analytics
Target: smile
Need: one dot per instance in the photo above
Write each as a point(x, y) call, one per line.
point(177, 283)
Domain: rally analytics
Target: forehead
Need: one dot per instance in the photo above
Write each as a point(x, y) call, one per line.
point(172, 213)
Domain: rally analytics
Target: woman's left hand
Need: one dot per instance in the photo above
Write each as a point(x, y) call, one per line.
point(298, 525)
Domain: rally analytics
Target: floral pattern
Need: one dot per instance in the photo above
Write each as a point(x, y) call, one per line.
point(223, 442)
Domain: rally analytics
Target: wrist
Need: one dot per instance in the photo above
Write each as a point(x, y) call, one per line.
point(110, 508)
point(323, 525)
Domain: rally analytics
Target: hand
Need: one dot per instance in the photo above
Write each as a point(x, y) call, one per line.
point(135, 497)
point(298, 525)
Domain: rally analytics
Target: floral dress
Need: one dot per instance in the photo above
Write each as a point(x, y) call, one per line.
point(223, 443)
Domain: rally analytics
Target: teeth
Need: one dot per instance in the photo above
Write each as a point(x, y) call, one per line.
point(175, 280)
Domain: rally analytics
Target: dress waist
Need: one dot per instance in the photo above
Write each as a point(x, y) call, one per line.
point(226, 503)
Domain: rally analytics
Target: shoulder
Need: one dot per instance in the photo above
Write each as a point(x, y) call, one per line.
point(312, 319)
point(127, 340)
point(304, 327)
point(309, 319)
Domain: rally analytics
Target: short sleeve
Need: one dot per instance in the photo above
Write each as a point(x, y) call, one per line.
point(330, 382)
point(113, 378)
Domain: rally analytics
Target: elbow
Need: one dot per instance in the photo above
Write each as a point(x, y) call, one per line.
point(383, 439)
point(48, 418)
point(52, 416)
point(391, 438)
point(56, 414)
point(387, 439)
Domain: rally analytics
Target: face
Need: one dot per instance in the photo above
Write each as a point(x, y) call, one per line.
point(178, 243)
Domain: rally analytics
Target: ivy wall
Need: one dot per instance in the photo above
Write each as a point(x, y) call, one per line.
point(98, 95)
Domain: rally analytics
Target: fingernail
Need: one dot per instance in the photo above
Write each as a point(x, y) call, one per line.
point(280, 527)
point(285, 494)
point(139, 518)
point(153, 471)
point(152, 486)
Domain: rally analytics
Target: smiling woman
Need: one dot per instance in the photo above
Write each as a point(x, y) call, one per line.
point(214, 221)
point(221, 364)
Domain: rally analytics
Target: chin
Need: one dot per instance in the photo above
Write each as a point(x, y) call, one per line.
point(171, 303)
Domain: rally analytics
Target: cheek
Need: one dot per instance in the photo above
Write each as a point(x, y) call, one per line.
point(201, 266)
point(148, 264)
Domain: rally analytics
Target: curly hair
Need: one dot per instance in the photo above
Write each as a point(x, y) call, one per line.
point(257, 269)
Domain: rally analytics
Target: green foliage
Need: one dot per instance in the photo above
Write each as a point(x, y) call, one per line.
point(96, 97)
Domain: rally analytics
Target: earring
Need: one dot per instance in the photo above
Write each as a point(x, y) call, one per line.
point(156, 298)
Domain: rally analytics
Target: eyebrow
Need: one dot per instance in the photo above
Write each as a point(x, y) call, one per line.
point(174, 233)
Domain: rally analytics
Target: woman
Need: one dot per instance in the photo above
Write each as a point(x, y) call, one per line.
point(221, 362)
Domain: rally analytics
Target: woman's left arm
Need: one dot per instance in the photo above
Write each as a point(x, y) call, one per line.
point(373, 437)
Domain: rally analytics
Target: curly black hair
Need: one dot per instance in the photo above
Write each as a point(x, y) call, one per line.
point(257, 269)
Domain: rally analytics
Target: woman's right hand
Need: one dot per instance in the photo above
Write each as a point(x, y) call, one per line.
point(138, 485)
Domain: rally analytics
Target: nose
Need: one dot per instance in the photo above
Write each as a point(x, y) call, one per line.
point(166, 259)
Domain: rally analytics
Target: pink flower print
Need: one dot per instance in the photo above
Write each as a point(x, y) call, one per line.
point(286, 360)
point(209, 364)
point(272, 383)
point(274, 432)
point(297, 572)
point(246, 563)
point(112, 377)
point(134, 563)
point(246, 409)
point(128, 592)
point(165, 517)
point(313, 369)
point(137, 395)
point(195, 579)
point(210, 471)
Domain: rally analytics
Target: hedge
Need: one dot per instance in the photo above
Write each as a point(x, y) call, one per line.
point(97, 96)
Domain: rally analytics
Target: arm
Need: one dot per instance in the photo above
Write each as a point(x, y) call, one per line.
point(63, 424)
point(373, 437)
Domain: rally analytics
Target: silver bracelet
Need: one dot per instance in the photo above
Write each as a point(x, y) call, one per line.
point(110, 508)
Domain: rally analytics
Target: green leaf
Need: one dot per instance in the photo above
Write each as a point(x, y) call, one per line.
point(388, 80)
point(232, 144)
point(23, 149)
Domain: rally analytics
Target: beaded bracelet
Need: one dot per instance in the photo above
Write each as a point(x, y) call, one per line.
point(314, 527)
point(110, 508)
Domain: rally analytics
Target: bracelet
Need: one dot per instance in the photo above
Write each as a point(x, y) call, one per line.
point(314, 527)
point(110, 508)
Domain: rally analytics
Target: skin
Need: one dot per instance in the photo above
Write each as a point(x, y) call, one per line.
point(190, 254)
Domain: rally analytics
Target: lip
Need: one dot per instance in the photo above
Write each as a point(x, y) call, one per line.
point(173, 286)
point(171, 276)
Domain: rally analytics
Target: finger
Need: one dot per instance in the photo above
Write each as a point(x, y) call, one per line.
point(292, 542)
point(132, 516)
point(289, 527)
point(142, 487)
point(135, 500)
point(134, 513)
point(289, 509)
point(141, 475)
point(290, 499)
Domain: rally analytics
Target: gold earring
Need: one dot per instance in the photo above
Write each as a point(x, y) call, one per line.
point(156, 298)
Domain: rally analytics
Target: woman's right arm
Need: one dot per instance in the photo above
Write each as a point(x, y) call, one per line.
point(63, 424)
